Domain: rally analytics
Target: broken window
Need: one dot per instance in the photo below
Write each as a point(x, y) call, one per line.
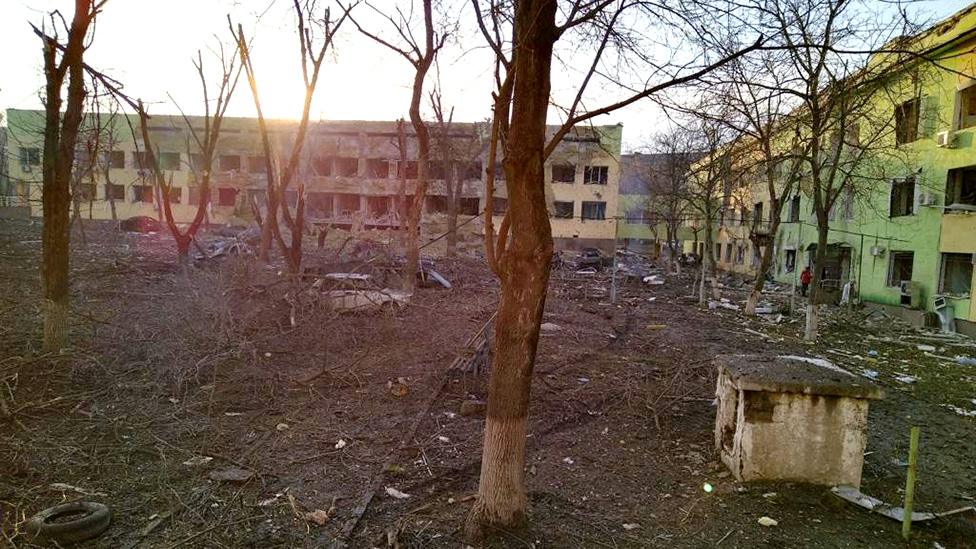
point(900, 267)
point(902, 197)
point(906, 122)
point(114, 192)
point(29, 156)
point(794, 209)
point(115, 159)
point(322, 166)
point(169, 161)
point(957, 274)
point(436, 204)
point(961, 186)
point(227, 196)
point(347, 204)
point(594, 210)
point(595, 175)
point(966, 107)
point(347, 167)
point(407, 169)
point(256, 164)
point(789, 264)
point(728, 252)
point(378, 206)
point(319, 204)
point(86, 192)
point(563, 173)
point(229, 162)
point(194, 195)
point(563, 210)
point(142, 193)
point(499, 205)
point(469, 206)
point(377, 168)
point(469, 170)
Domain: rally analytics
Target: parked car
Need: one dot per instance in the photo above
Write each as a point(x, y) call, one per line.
point(591, 257)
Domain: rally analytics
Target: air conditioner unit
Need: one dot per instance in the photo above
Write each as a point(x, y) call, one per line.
point(877, 251)
point(944, 139)
point(927, 199)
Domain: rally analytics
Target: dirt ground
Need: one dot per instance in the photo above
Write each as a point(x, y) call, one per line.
point(176, 376)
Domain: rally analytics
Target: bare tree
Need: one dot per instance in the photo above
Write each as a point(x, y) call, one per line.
point(204, 140)
point(667, 186)
point(311, 29)
point(62, 64)
point(421, 56)
point(523, 35)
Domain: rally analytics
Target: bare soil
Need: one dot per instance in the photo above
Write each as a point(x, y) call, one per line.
point(176, 375)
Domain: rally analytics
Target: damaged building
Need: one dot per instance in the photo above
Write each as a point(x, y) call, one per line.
point(351, 172)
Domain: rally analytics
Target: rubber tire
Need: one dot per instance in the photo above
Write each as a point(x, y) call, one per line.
point(96, 519)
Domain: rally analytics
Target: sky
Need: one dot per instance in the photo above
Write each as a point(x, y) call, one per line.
point(149, 45)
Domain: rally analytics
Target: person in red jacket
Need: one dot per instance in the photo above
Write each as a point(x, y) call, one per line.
point(805, 277)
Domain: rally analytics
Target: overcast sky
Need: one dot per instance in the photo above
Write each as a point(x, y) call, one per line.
point(148, 45)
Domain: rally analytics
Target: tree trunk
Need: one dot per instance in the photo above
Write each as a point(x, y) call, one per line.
point(413, 249)
point(523, 270)
point(452, 214)
point(810, 331)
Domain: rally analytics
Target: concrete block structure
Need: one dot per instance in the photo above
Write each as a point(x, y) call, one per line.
point(791, 418)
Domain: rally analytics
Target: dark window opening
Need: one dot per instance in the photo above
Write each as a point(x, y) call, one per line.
point(227, 196)
point(957, 274)
point(967, 107)
point(900, 267)
point(906, 122)
point(596, 175)
point(789, 265)
point(469, 170)
point(176, 195)
point(322, 166)
point(347, 204)
point(378, 206)
point(740, 254)
point(961, 186)
point(469, 206)
point(347, 167)
point(30, 156)
point(902, 197)
point(594, 210)
point(499, 205)
point(116, 160)
point(563, 210)
point(256, 164)
point(194, 195)
point(563, 173)
point(499, 172)
point(407, 169)
point(795, 209)
point(142, 193)
point(319, 204)
point(229, 162)
point(86, 192)
point(197, 162)
point(169, 161)
point(114, 192)
point(728, 252)
point(436, 204)
point(435, 170)
point(377, 168)
point(141, 160)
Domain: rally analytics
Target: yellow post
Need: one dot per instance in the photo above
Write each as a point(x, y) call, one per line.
point(906, 521)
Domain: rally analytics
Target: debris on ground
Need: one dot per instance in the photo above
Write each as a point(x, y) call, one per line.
point(231, 474)
point(768, 522)
point(855, 496)
point(394, 493)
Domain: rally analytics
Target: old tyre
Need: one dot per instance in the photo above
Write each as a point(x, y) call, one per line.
point(69, 522)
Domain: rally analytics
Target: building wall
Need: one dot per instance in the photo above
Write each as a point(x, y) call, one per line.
point(349, 169)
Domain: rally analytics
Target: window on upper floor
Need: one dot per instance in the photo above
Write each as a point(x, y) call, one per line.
point(29, 156)
point(256, 164)
point(596, 175)
point(594, 210)
point(902, 197)
point(115, 159)
point(563, 210)
point(347, 166)
point(142, 193)
point(794, 213)
point(469, 171)
point(789, 262)
point(141, 160)
point(906, 122)
point(229, 162)
point(966, 107)
point(377, 168)
point(469, 206)
point(114, 192)
point(957, 274)
point(563, 173)
point(407, 169)
point(961, 186)
point(227, 196)
point(169, 161)
point(86, 192)
point(900, 267)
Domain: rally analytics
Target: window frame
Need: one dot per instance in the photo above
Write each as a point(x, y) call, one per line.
point(892, 258)
point(601, 210)
point(602, 175)
point(964, 258)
